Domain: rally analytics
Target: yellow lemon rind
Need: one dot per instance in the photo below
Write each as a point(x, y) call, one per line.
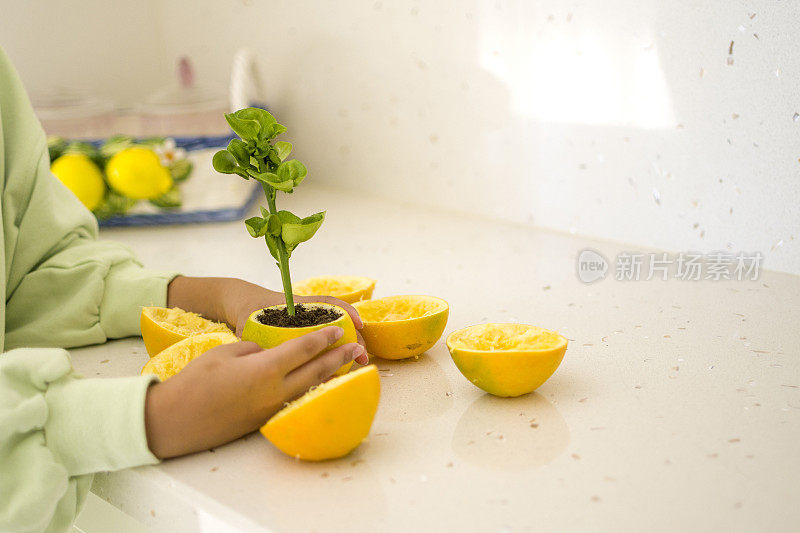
point(162, 327)
point(507, 372)
point(330, 420)
point(271, 336)
point(401, 338)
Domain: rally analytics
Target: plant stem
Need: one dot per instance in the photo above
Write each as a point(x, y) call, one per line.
point(283, 257)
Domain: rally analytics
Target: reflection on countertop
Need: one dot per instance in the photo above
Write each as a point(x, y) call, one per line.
point(510, 433)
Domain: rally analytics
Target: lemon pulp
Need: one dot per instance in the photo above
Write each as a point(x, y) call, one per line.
point(185, 322)
point(503, 337)
point(161, 327)
point(394, 308)
point(347, 288)
point(175, 357)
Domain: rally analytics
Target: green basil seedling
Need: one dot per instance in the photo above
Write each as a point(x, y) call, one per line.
point(256, 155)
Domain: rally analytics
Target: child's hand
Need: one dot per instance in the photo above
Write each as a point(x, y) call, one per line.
point(232, 301)
point(234, 389)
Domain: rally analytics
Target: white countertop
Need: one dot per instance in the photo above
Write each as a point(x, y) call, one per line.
point(677, 405)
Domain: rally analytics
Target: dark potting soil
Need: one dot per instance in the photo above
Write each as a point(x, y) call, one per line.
point(304, 316)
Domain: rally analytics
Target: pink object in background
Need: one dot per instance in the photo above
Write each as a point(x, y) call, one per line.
point(183, 108)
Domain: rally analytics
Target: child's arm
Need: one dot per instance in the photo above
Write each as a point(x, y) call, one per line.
point(62, 288)
point(56, 429)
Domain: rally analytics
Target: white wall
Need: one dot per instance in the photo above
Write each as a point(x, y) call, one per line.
point(93, 47)
point(627, 120)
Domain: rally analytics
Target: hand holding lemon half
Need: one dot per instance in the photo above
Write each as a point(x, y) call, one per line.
point(268, 336)
point(332, 419)
point(328, 421)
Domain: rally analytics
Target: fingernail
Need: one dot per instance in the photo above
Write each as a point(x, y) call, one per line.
point(337, 333)
point(358, 351)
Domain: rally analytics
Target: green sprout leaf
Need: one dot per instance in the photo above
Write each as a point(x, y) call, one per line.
point(287, 217)
point(295, 230)
point(272, 244)
point(284, 149)
point(256, 226)
point(292, 170)
point(273, 156)
point(224, 162)
point(273, 180)
point(262, 116)
point(238, 149)
point(273, 225)
point(245, 128)
point(255, 156)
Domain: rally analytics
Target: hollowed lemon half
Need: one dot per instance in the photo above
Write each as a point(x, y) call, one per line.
point(397, 327)
point(271, 336)
point(506, 359)
point(349, 289)
point(162, 327)
point(172, 359)
point(330, 420)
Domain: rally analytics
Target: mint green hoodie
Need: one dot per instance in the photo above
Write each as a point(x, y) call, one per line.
point(63, 288)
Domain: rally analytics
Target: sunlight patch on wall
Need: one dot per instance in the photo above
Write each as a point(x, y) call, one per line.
point(583, 79)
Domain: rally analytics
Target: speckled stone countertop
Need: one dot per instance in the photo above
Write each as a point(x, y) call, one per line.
point(677, 406)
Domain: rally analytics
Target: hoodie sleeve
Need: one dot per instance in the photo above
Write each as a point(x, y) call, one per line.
point(56, 429)
point(64, 287)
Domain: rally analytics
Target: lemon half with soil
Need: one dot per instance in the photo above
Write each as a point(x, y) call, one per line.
point(397, 327)
point(330, 420)
point(506, 359)
point(138, 173)
point(172, 360)
point(81, 176)
point(349, 289)
point(162, 327)
point(271, 336)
